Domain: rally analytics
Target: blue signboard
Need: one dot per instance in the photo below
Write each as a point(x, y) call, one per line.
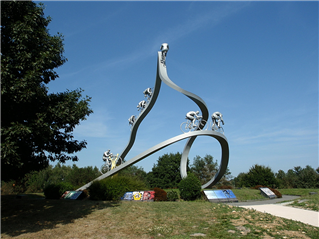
point(225, 195)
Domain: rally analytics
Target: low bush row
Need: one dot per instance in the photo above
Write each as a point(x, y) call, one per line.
point(113, 188)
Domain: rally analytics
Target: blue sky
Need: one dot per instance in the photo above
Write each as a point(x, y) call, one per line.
point(255, 62)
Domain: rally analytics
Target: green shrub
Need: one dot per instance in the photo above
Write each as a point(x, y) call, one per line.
point(225, 187)
point(55, 191)
point(190, 187)
point(172, 196)
point(114, 188)
point(160, 195)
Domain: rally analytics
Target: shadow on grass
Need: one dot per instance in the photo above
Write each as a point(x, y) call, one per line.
point(29, 214)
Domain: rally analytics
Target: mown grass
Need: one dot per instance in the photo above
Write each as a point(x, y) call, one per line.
point(306, 200)
point(247, 194)
point(40, 218)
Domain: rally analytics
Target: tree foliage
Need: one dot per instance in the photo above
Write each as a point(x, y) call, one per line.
point(190, 187)
point(298, 177)
point(35, 126)
point(166, 173)
point(206, 168)
point(36, 181)
point(257, 175)
point(135, 171)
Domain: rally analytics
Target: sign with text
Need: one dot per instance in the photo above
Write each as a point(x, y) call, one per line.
point(222, 195)
point(267, 193)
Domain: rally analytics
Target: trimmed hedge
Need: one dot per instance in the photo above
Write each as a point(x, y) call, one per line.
point(190, 187)
point(114, 188)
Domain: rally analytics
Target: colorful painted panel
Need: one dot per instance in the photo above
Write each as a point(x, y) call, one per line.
point(73, 195)
point(148, 196)
point(138, 195)
point(128, 196)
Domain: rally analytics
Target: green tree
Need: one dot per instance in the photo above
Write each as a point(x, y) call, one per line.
point(166, 173)
point(134, 171)
point(239, 182)
point(36, 181)
point(35, 126)
point(190, 187)
point(259, 175)
point(281, 179)
point(206, 168)
point(80, 176)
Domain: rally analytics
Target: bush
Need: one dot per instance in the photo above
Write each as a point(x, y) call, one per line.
point(190, 187)
point(225, 187)
point(160, 195)
point(55, 191)
point(114, 188)
point(172, 196)
point(10, 187)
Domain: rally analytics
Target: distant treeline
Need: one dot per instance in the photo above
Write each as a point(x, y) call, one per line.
point(297, 177)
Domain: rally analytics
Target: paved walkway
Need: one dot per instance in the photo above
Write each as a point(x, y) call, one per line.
point(272, 206)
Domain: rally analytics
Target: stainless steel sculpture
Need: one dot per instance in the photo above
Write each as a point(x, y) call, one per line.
point(131, 120)
point(141, 106)
point(217, 118)
point(191, 135)
point(110, 161)
point(148, 93)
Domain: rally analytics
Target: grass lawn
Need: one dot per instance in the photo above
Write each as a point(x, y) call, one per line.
point(31, 217)
point(306, 201)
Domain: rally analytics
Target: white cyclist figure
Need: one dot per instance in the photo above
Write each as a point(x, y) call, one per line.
point(217, 119)
point(131, 120)
point(110, 160)
point(193, 116)
point(141, 105)
point(107, 155)
point(164, 49)
point(147, 93)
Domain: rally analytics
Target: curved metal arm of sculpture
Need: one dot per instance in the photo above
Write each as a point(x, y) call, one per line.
point(199, 101)
point(201, 104)
point(142, 115)
point(220, 137)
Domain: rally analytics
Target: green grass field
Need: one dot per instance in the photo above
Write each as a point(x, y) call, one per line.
point(31, 216)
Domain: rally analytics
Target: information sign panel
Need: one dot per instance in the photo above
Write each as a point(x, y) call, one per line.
point(73, 195)
point(267, 193)
point(226, 195)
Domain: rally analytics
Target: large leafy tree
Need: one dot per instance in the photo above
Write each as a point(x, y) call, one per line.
point(298, 177)
point(35, 126)
point(206, 168)
point(258, 175)
point(166, 173)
